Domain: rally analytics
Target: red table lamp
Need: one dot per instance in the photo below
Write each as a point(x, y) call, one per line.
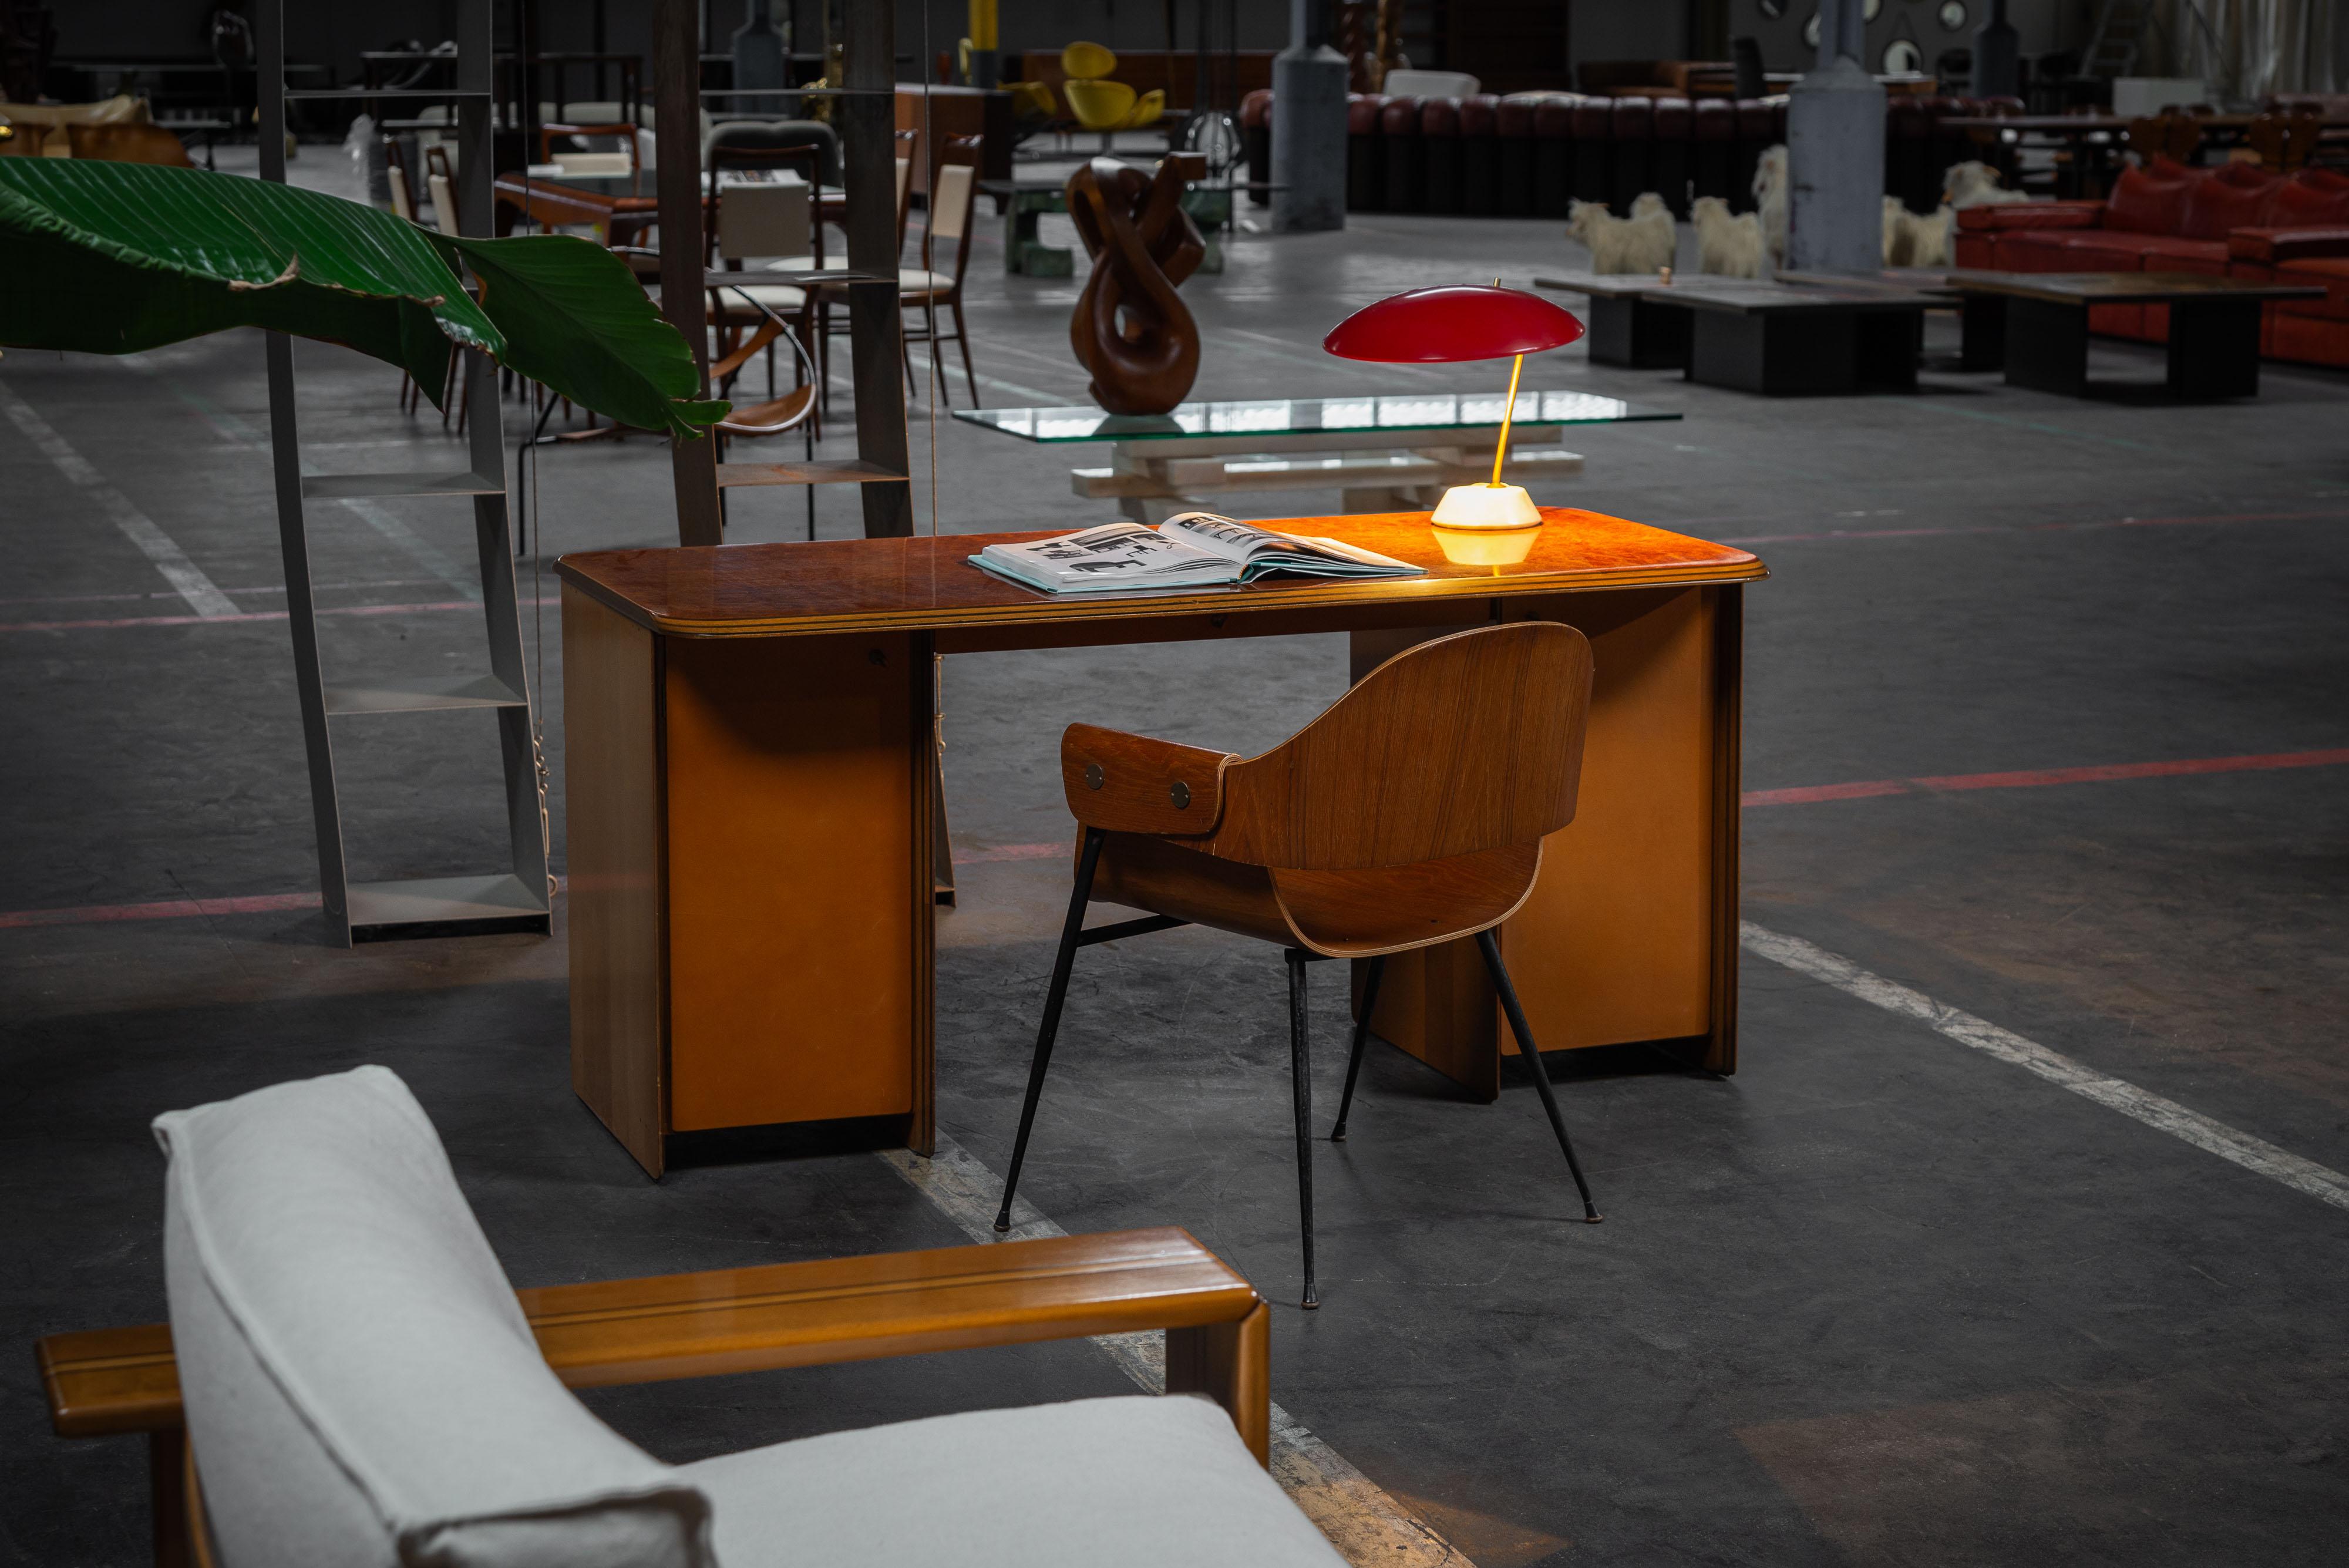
point(1462, 321)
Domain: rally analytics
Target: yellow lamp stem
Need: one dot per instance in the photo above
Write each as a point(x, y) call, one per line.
point(1508, 413)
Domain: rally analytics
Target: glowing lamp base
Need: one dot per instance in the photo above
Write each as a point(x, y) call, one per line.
point(1487, 506)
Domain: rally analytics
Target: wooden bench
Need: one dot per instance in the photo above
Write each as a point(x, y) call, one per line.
point(108, 1382)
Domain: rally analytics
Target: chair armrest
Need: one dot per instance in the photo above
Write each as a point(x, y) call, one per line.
point(1130, 783)
point(2006, 215)
point(2286, 245)
point(668, 1326)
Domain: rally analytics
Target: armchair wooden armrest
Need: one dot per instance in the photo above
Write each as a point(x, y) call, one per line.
point(660, 1327)
point(1130, 783)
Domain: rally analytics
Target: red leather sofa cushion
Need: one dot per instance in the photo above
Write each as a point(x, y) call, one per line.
point(2333, 272)
point(2037, 250)
point(2315, 197)
point(1594, 119)
point(1672, 117)
point(1634, 119)
point(2148, 200)
point(1255, 109)
point(2095, 251)
point(1753, 119)
point(1439, 116)
point(1479, 115)
point(1712, 120)
point(2008, 215)
point(1362, 111)
point(2287, 244)
point(1401, 116)
point(2169, 252)
point(1516, 115)
point(2234, 196)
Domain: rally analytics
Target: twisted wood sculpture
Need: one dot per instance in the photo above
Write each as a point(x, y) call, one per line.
point(1131, 329)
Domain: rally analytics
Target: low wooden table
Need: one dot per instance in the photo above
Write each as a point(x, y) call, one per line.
point(1383, 454)
point(1981, 328)
point(1022, 201)
point(1754, 335)
point(2214, 326)
point(1626, 327)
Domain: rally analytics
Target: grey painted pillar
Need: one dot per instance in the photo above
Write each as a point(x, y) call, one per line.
point(1835, 153)
point(1309, 126)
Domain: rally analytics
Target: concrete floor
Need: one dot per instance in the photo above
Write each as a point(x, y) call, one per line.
point(1879, 1299)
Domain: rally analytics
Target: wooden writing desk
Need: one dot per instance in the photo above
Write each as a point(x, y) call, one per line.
point(748, 767)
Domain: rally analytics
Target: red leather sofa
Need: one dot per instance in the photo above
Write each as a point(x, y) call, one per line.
point(2236, 220)
point(1533, 153)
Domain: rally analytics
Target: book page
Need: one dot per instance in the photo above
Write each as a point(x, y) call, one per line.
point(1115, 551)
point(1232, 541)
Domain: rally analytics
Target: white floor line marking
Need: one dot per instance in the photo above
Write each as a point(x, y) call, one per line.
point(922, 367)
point(179, 571)
point(2320, 1182)
point(395, 533)
point(1367, 1526)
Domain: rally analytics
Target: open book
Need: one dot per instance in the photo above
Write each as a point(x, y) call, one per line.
point(1196, 549)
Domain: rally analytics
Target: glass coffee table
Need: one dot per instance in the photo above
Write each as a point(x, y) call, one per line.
point(1396, 454)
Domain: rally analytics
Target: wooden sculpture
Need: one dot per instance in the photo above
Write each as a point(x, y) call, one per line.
point(1131, 329)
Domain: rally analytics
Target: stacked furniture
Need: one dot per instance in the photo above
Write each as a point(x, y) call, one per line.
point(2238, 220)
point(1532, 154)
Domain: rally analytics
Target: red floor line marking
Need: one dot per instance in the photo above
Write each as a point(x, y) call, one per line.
point(2032, 778)
point(268, 903)
point(246, 615)
point(2038, 527)
point(1014, 852)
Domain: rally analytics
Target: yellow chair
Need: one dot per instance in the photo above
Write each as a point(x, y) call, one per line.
point(1100, 104)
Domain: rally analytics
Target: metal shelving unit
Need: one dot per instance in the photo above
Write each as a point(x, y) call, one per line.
point(515, 897)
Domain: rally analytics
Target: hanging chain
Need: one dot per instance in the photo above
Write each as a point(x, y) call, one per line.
point(539, 770)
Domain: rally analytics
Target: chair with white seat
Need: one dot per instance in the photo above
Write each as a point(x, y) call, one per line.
point(358, 1383)
point(954, 199)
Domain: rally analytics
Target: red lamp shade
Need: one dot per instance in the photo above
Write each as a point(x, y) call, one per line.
point(1458, 321)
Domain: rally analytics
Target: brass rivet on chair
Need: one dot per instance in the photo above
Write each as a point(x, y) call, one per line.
point(1093, 776)
point(1180, 793)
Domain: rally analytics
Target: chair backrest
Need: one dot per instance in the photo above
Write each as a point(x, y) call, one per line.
point(403, 201)
point(444, 204)
point(622, 160)
point(803, 159)
point(758, 221)
point(954, 197)
point(360, 1385)
point(1468, 743)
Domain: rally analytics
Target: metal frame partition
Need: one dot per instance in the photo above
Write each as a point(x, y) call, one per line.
point(515, 897)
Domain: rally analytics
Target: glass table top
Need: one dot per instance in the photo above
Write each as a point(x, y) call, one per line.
point(1315, 416)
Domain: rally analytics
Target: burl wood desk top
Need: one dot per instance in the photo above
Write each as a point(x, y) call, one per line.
point(929, 582)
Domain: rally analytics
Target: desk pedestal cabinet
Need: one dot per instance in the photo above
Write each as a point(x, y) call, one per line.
point(748, 777)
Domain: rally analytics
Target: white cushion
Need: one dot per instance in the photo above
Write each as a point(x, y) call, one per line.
point(914, 280)
point(1429, 84)
point(1137, 1483)
point(361, 1386)
point(780, 297)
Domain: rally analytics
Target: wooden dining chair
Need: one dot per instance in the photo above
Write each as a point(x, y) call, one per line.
point(793, 410)
point(954, 201)
point(1411, 813)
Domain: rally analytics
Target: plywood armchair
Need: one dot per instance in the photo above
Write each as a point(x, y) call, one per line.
point(1411, 813)
point(347, 1379)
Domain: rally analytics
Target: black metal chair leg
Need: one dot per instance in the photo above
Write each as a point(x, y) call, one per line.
point(1079, 895)
point(1517, 1016)
point(1361, 1038)
point(1300, 1068)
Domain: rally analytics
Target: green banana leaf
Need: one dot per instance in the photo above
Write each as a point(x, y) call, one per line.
point(112, 258)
